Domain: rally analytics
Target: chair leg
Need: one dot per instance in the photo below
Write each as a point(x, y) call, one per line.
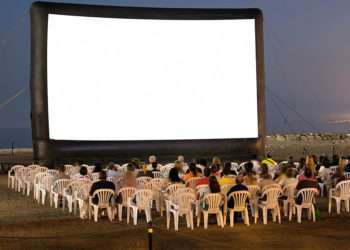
point(279, 214)
point(199, 219)
point(338, 205)
point(221, 220)
point(109, 213)
point(313, 213)
point(290, 212)
point(205, 215)
point(246, 216)
point(188, 223)
point(95, 213)
point(176, 221)
point(264, 216)
point(347, 205)
point(299, 211)
point(232, 213)
point(191, 219)
point(285, 208)
point(43, 195)
point(168, 220)
point(127, 214)
point(329, 205)
point(120, 210)
point(134, 210)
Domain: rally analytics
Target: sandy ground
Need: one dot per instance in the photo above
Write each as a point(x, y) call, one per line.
point(24, 224)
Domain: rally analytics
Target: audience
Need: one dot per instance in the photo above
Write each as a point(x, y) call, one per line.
point(205, 179)
point(265, 177)
point(307, 182)
point(193, 172)
point(83, 173)
point(62, 173)
point(174, 176)
point(129, 179)
point(290, 178)
point(214, 186)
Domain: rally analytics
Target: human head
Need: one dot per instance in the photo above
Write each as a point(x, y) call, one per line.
point(202, 162)
point(103, 175)
point(135, 162)
point(83, 171)
point(248, 167)
point(214, 185)
point(130, 167)
point(207, 172)
point(290, 159)
point(152, 158)
point(216, 161)
point(178, 164)
point(269, 155)
point(214, 168)
point(174, 175)
point(308, 173)
point(239, 179)
point(193, 168)
point(181, 158)
point(290, 173)
point(227, 168)
point(98, 167)
point(61, 169)
point(111, 166)
point(154, 165)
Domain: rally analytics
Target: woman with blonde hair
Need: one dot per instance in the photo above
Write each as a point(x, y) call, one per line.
point(310, 163)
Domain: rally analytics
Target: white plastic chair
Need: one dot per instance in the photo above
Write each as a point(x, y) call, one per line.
point(29, 180)
point(38, 183)
point(45, 187)
point(308, 198)
point(82, 198)
point(333, 169)
point(143, 199)
point(271, 203)
point(57, 190)
point(11, 176)
point(104, 202)
point(125, 193)
point(253, 200)
point(90, 169)
point(52, 172)
point(341, 192)
point(20, 174)
point(347, 175)
point(68, 169)
point(141, 181)
point(213, 202)
point(240, 206)
point(70, 193)
point(289, 201)
point(181, 204)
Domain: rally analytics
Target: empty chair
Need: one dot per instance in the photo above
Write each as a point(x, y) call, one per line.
point(141, 181)
point(124, 194)
point(240, 205)
point(104, 202)
point(308, 199)
point(141, 200)
point(341, 192)
point(89, 168)
point(82, 198)
point(288, 199)
point(181, 204)
point(45, 187)
point(70, 193)
point(212, 203)
point(253, 199)
point(37, 183)
point(271, 203)
point(20, 174)
point(68, 169)
point(29, 180)
point(11, 176)
point(52, 172)
point(57, 190)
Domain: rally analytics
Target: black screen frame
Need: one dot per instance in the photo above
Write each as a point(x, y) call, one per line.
point(51, 151)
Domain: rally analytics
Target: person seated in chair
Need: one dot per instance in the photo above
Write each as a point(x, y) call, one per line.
point(238, 187)
point(101, 184)
point(307, 182)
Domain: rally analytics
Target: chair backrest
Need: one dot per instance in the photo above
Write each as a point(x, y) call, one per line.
point(213, 201)
point(239, 199)
point(185, 190)
point(157, 174)
point(74, 186)
point(59, 185)
point(68, 169)
point(192, 182)
point(90, 169)
point(126, 193)
point(141, 181)
point(201, 190)
point(184, 200)
point(143, 198)
point(52, 172)
point(13, 169)
point(344, 188)
point(157, 182)
point(39, 177)
point(17, 170)
point(33, 166)
point(41, 169)
point(333, 169)
point(272, 194)
point(289, 191)
point(225, 188)
point(271, 186)
point(47, 182)
point(347, 175)
point(95, 176)
point(84, 190)
point(173, 187)
point(104, 196)
point(253, 189)
point(308, 195)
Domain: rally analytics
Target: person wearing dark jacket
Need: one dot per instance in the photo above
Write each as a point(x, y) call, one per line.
point(101, 184)
point(238, 187)
point(307, 182)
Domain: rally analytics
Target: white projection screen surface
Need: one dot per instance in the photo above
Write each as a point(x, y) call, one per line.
point(111, 79)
